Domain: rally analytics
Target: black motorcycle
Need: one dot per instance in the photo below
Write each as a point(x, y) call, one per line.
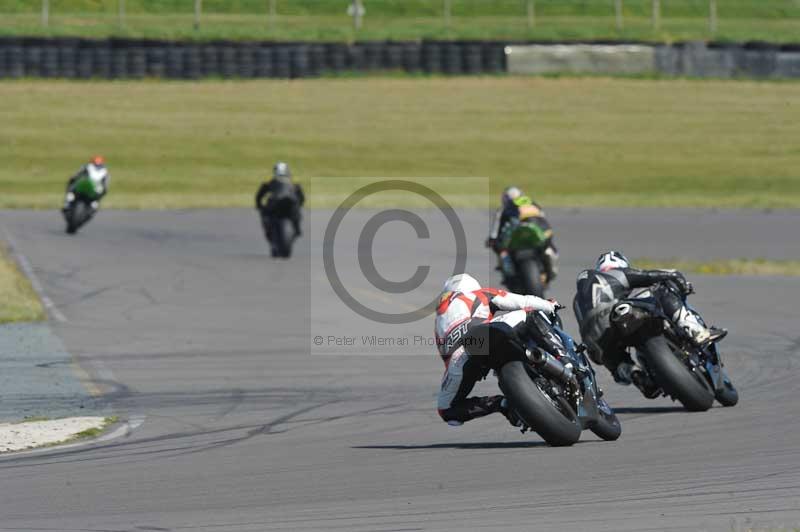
point(693, 375)
point(276, 219)
point(554, 399)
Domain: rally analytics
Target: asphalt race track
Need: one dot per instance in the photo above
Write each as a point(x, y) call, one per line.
point(186, 323)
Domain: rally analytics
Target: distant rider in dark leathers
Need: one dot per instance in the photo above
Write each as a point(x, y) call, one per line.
point(614, 279)
point(284, 199)
point(517, 207)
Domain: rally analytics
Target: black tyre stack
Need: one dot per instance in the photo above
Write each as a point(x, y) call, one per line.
point(15, 61)
point(263, 62)
point(125, 58)
point(281, 62)
point(432, 58)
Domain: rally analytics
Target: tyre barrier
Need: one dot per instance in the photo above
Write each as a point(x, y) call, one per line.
point(136, 59)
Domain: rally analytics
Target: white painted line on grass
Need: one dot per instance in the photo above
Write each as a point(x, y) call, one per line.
point(124, 430)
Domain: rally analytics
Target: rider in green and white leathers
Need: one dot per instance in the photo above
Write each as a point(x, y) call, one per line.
point(517, 207)
point(96, 171)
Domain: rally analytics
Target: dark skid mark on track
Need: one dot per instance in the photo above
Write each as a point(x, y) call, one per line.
point(466, 446)
point(648, 409)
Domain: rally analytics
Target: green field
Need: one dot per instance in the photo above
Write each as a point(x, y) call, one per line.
point(738, 20)
point(569, 141)
point(19, 300)
point(760, 267)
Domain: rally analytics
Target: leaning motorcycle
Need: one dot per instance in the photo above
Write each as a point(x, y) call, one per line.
point(693, 375)
point(81, 203)
point(526, 243)
point(554, 399)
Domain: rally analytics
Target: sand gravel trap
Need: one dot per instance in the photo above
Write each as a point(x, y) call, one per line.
point(30, 434)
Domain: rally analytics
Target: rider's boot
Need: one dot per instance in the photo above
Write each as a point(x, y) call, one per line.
point(551, 262)
point(510, 415)
point(627, 373)
point(506, 264)
point(645, 384)
point(68, 199)
point(701, 335)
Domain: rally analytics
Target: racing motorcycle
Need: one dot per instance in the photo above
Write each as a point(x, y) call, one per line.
point(693, 375)
point(526, 243)
point(278, 229)
point(82, 201)
point(557, 400)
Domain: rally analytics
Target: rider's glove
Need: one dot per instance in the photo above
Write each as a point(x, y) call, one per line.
point(490, 242)
point(550, 306)
point(683, 285)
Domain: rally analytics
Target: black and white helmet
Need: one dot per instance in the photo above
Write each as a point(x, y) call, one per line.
point(611, 260)
point(281, 169)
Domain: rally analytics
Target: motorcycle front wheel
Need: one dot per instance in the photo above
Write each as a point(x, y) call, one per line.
point(607, 425)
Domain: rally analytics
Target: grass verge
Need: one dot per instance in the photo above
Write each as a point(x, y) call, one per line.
point(19, 300)
point(774, 20)
point(568, 141)
point(763, 267)
point(93, 432)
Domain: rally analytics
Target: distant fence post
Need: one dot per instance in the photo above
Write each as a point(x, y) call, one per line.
point(656, 15)
point(447, 8)
point(358, 11)
point(198, 11)
point(618, 13)
point(531, 14)
point(121, 13)
point(712, 16)
point(46, 13)
point(273, 11)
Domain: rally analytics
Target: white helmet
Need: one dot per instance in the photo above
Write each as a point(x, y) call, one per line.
point(462, 282)
point(611, 260)
point(509, 195)
point(281, 169)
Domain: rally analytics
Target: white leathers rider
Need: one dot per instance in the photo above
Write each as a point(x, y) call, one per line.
point(463, 303)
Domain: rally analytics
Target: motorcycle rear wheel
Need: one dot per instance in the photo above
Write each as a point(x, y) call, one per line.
point(558, 428)
point(530, 274)
point(675, 378)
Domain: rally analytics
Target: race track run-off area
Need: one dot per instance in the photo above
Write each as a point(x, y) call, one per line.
point(184, 323)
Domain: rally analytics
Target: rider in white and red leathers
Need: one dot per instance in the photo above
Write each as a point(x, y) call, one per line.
point(464, 303)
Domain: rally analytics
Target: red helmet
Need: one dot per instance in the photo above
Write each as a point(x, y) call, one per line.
point(98, 160)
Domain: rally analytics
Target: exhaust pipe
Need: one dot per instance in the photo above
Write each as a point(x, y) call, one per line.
point(550, 365)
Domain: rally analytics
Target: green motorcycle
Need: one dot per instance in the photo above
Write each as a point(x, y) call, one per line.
point(526, 243)
point(81, 203)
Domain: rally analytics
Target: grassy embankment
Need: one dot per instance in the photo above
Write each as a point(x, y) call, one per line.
point(570, 142)
point(772, 20)
point(787, 268)
point(19, 300)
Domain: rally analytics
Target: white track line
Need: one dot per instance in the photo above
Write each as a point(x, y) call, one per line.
point(27, 269)
point(102, 371)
